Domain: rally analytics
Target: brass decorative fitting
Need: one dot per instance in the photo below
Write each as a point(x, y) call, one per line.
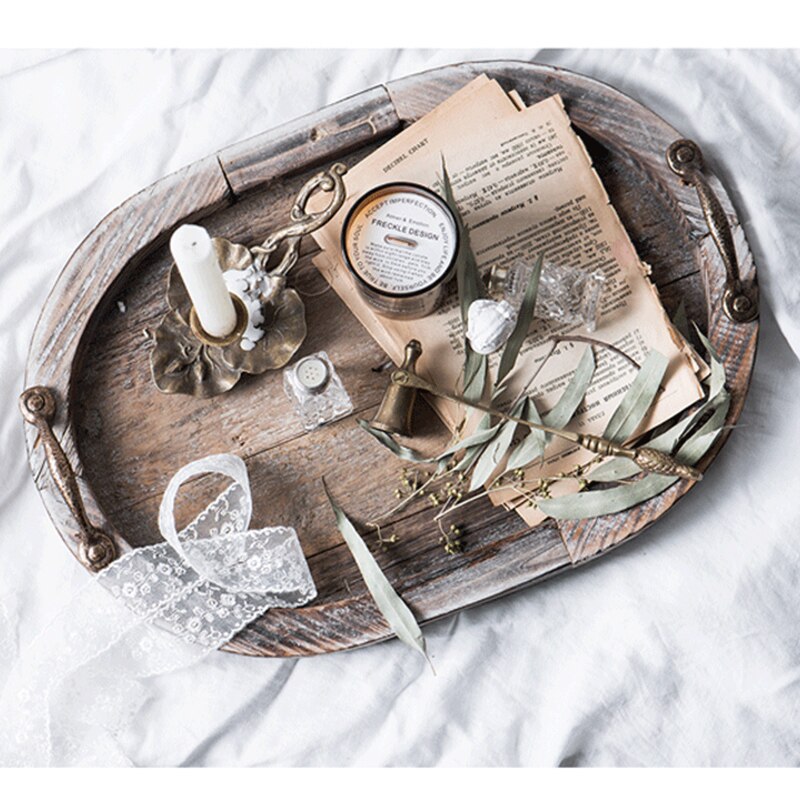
point(397, 406)
point(739, 302)
point(186, 360)
point(95, 548)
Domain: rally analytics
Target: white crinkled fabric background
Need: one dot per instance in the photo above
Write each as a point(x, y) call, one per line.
point(681, 648)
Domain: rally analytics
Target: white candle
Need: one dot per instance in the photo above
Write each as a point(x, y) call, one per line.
point(202, 276)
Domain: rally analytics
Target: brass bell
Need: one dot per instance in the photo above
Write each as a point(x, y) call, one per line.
point(394, 414)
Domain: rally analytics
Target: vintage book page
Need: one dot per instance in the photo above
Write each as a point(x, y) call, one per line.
point(524, 185)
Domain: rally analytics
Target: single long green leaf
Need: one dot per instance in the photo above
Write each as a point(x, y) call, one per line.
point(492, 455)
point(476, 370)
point(482, 434)
point(469, 458)
point(610, 501)
point(695, 446)
point(390, 604)
point(717, 377)
point(638, 399)
point(680, 321)
point(531, 448)
point(514, 343)
point(473, 452)
point(495, 450)
point(562, 412)
point(400, 450)
point(615, 469)
point(468, 281)
point(467, 273)
point(607, 501)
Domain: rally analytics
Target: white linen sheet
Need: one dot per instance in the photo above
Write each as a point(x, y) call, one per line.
point(681, 648)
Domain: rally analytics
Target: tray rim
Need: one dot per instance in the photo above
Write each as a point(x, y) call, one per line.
point(221, 186)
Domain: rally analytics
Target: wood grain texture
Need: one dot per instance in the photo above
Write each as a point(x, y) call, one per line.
point(105, 258)
point(126, 439)
point(317, 138)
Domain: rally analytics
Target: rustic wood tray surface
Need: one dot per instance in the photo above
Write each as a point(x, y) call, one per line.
point(126, 439)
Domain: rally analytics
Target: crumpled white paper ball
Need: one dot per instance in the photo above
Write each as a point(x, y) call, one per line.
point(489, 324)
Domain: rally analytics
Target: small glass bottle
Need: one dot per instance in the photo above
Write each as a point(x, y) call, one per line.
point(567, 294)
point(316, 391)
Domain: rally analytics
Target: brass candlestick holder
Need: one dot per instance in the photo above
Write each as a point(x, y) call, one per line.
point(270, 316)
point(242, 319)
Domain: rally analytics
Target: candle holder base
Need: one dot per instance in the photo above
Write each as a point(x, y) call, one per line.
point(270, 316)
point(242, 320)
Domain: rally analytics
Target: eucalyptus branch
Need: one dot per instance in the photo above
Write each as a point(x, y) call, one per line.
point(419, 490)
point(598, 343)
point(524, 389)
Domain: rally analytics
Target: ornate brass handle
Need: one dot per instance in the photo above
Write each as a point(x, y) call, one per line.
point(38, 407)
point(304, 222)
point(685, 160)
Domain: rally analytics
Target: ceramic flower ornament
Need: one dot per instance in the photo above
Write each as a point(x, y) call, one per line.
point(489, 324)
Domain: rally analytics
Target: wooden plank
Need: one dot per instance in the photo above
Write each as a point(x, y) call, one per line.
point(509, 561)
point(320, 137)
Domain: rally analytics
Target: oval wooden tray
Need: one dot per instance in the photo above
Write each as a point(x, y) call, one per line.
point(126, 439)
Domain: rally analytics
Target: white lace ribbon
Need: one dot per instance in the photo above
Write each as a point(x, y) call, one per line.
point(79, 683)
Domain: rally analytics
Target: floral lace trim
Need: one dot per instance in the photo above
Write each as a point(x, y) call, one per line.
point(153, 610)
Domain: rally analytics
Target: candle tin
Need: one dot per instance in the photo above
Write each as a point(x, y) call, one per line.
point(400, 242)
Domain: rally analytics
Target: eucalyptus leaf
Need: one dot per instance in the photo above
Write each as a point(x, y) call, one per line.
point(470, 456)
point(467, 273)
point(638, 399)
point(563, 411)
point(610, 501)
point(497, 391)
point(514, 343)
point(717, 377)
point(476, 370)
point(390, 604)
point(495, 450)
point(606, 501)
point(481, 435)
point(468, 280)
point(531, 448)
point(472, 452)
point(616, 469)
point(492, 455)
point(680, 321)
point(400, 450)
point(708, 431)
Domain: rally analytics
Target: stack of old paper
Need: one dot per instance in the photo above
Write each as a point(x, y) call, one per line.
point(524, 185)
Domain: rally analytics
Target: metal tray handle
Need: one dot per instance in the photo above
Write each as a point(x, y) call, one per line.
point(38, 406)
point(685, 160)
